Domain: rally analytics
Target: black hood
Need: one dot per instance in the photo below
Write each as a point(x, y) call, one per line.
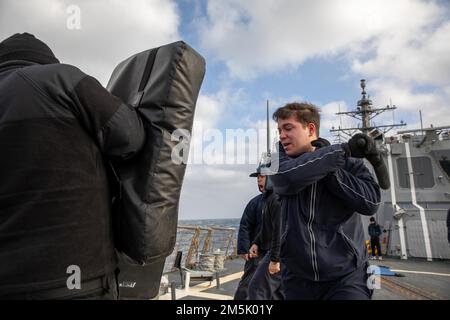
point(24, 46)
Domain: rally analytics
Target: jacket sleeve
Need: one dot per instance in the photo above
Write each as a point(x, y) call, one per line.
point(275, 214)
point(247, 224)
point(356, 187)
point(378, 229)
point(294, 174)
point(258, 238)
point(116, 126)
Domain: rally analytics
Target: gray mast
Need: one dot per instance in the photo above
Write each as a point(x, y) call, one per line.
point(365, 108)
point(365, 113)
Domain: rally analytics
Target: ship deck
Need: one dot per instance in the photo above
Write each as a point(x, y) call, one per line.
point(415, 279)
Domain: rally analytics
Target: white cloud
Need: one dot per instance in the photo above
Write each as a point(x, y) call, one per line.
point(264, 36)
point(213, 192)
point(208, 110)
point(208, 186)
point(111, 30)
point(400, 46)
point(434, 103)
point(216, 191)
point(422, 57)
point(242, 142)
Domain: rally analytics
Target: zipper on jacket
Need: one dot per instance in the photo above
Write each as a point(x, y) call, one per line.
point(311, 233)
point(349, 243)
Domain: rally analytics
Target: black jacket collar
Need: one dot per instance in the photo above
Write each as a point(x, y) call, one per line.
point(14, 64)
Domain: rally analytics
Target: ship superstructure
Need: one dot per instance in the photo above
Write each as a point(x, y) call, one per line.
point(414, 210)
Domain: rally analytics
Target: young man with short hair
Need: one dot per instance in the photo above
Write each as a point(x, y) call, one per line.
point(323, 191)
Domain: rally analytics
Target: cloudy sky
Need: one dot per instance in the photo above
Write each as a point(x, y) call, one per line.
point(258, 50)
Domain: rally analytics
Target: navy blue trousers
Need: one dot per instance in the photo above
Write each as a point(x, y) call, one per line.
point(265, 286)
point(352, 286)
point(375, 243)
point(249, 270)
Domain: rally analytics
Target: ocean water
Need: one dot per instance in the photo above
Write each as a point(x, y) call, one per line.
point(227, 223)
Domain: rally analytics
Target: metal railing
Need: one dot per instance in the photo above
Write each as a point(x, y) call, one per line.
point(194, 240)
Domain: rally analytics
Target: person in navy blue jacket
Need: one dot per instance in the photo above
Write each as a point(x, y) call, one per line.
point(249, 228)
point(323, 189)
point(266, 282)
point(374, 230)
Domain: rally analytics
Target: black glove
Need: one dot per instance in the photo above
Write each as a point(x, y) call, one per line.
point(374, 157)
point(363, 146)
point(360, 146)
point(320, 142)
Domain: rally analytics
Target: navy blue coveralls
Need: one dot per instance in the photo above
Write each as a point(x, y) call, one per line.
point(266, 286)
point(323, 252)
point(249, 227)
point(375, 233)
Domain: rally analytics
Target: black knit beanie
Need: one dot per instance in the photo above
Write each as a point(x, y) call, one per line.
point(24, 46)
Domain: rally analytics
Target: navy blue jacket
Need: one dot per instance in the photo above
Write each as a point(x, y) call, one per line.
point(250, 224)
point(268, 239)
point(374, 230)
point(323, 193)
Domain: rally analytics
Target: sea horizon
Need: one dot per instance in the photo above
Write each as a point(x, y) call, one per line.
point(216, 222)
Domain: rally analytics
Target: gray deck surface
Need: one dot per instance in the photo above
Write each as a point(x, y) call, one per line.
point(435, 282)
point(436, 285)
